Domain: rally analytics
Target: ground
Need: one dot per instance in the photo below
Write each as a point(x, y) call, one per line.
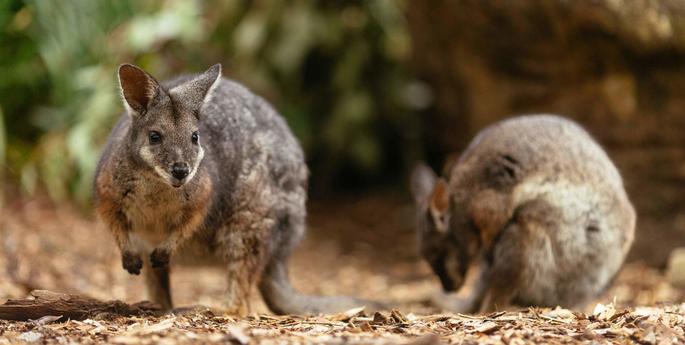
point(358, 245)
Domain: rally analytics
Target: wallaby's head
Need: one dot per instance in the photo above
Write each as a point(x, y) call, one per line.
point(438, 244)
point(164, 123)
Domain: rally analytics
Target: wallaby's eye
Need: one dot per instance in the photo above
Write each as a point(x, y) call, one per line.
point(155, 137)
point(195, 137)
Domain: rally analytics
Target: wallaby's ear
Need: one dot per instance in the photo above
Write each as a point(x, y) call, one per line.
point(422, 182)
point(440, 198)
point(196, 92)
point(439, 205)
point(137, 87)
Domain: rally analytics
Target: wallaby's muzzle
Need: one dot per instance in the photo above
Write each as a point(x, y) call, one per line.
point(179, 171)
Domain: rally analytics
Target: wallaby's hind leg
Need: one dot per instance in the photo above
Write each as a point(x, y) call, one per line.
point(157, 283)
point(506, 271)
point(243, 253)
point(505, 277)
point(242, 273)
point(522, 257)
point(275, 282)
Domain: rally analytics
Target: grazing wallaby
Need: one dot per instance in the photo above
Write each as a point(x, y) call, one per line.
point(202, 169)
point(532, 213)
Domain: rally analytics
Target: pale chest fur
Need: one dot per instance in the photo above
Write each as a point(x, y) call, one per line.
point(155, 210)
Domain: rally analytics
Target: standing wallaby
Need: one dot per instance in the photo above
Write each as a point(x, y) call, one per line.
point(532, 213)
point(202, 169)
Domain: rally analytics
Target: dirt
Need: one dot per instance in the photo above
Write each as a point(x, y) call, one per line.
point(362, 246)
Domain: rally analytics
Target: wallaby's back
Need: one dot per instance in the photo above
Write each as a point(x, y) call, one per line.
point(537, 145)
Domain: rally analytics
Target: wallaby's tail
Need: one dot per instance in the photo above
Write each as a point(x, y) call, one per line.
point(282, 298)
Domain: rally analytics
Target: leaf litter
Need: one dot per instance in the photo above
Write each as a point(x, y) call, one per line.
point(43, 247)
point(662, 325)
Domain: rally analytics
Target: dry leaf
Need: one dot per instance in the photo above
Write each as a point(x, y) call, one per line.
point(46, 319)
point(604, 312)
point(379, 318)
point(347, 315)
point(397, 316)
point(560, 313)
point(486, 327)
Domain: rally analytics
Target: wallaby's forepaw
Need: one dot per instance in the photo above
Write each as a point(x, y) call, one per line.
point(131, 262)
point(160, 258)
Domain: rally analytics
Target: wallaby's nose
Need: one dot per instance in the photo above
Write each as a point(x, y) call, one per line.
point(180, 170)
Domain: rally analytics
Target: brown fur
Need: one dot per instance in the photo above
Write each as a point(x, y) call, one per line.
point(200, 170)
point(536, 208)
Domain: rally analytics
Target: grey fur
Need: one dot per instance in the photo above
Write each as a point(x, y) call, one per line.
point(538, 209)
point(248, 190)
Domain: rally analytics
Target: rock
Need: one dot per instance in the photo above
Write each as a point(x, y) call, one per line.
point(676, 267)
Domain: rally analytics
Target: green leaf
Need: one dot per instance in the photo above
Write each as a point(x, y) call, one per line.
point(3, 145)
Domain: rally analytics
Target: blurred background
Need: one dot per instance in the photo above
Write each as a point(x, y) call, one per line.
point(368, 87)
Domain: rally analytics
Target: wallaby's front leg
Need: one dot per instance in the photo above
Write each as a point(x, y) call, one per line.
point(131, 261)
point(120, 227)
point(161, 254)
point(130, 256)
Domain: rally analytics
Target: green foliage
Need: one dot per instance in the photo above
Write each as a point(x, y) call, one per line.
point(334, 70)
point(3, 144)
